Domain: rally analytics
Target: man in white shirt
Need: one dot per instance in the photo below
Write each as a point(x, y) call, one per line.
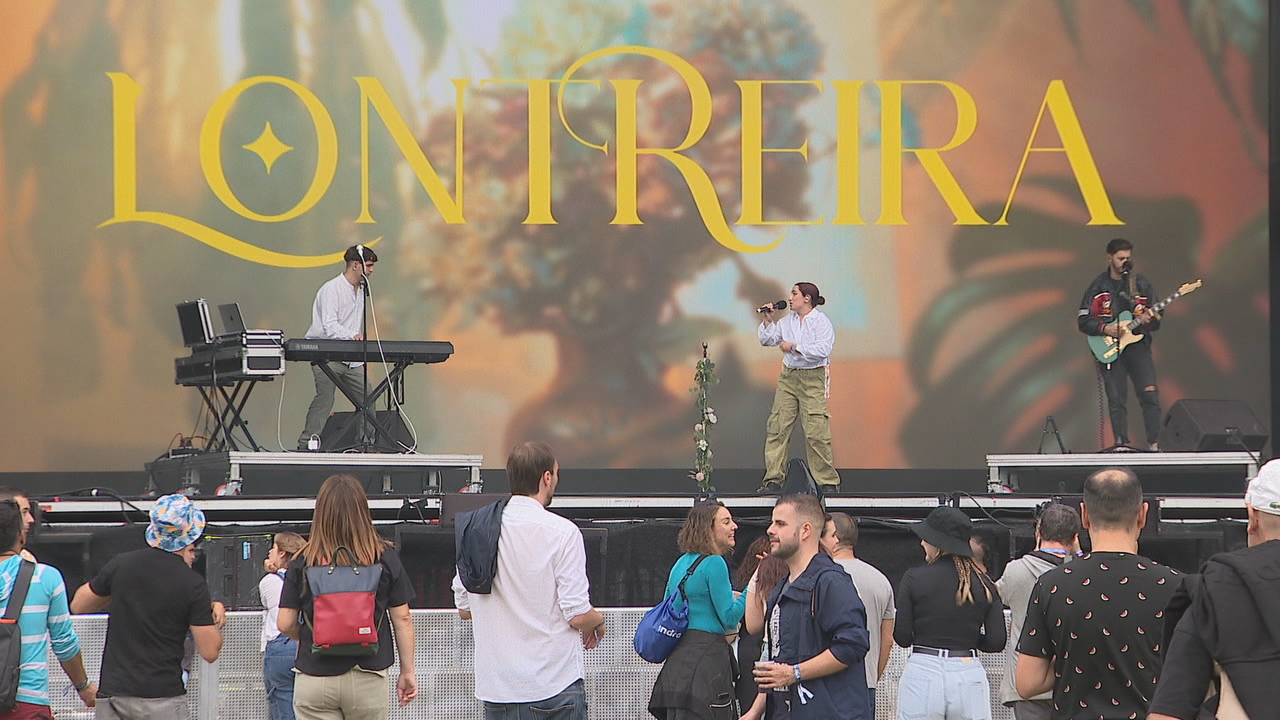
point(530, 631)
point(839, 539)
point(338, 314)
point(805, 338)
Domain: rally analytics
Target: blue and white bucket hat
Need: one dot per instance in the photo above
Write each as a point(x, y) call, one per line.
point(175, 523)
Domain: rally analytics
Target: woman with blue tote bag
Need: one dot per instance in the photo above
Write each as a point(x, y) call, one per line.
point(697, 680)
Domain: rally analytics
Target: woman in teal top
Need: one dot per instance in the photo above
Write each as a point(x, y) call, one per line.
point(697, 680)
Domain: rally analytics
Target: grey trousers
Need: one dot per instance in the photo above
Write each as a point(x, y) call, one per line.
point(137, 708)
point(1032, 709)
point(352, 379)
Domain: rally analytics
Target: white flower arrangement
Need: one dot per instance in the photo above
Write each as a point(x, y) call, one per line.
point(703, 377)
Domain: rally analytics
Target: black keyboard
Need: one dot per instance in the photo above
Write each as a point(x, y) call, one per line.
point(393, 351)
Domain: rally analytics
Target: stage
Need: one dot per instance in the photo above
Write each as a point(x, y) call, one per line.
point(107, 510)
point(299, 474)
point(630, 530)
point(258, 473)
point(1183, 472)
point(629, 518)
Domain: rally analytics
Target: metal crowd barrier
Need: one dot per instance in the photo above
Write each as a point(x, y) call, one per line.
point(618, 681)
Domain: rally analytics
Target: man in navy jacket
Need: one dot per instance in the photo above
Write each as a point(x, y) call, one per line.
point(816, 640)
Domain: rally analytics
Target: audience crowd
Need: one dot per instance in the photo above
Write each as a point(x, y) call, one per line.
point(802, 629)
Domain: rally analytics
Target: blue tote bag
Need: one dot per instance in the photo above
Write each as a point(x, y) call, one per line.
point(662, 627)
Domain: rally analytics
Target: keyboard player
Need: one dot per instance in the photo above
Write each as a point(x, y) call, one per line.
point(338, 314)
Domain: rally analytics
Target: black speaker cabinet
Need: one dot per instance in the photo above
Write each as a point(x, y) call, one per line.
point(331, 441)
point(1201, 425)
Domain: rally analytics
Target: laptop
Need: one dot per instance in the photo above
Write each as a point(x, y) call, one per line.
point(232, 320)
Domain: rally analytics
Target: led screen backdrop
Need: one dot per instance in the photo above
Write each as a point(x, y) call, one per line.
point(579, 193)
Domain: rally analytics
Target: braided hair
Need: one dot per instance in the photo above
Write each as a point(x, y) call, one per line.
point(966, 570)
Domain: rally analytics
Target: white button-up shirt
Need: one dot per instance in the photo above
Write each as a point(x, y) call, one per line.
point(525, 649)
point(814, 335)
point(338, 312)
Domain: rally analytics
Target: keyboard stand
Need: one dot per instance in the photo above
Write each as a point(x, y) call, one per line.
point(230, 417)
point(394, 379)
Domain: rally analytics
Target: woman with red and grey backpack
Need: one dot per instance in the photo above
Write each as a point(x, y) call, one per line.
point(335, 679)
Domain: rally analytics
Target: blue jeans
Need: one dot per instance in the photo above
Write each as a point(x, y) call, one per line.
point(277, 674)
point(571, 704)
point(943, 688)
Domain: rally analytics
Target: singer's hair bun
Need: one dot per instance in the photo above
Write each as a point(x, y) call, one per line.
point(819, 301)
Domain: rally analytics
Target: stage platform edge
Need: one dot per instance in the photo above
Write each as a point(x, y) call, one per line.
point(97, 510)
point(1225, 472)
point(207, 473)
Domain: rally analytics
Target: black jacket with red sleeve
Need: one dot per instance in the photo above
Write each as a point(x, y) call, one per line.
point(1106, 298)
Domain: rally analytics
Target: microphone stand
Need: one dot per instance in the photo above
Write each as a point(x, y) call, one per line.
point(365, 443)
point(1051, 428)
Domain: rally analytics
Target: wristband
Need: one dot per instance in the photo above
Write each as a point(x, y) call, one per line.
point(797, 669)
point(80, 688)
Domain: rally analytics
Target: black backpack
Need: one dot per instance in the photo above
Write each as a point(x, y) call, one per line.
point(799, 479)
point(11, 638)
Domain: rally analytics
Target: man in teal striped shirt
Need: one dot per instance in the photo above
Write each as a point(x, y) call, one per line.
point(45, 619)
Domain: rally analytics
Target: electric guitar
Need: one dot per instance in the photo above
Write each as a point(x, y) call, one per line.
point(1107, 349)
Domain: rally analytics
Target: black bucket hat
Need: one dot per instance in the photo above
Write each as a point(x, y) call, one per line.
point(947, 529)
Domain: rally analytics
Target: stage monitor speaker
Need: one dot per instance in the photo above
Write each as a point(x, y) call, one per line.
point(331, 441)
point(1201, 425)
point(233, 567)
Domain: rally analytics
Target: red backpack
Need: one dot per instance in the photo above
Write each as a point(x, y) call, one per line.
point(344, 603)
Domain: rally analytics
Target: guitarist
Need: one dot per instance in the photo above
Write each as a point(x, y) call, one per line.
point(1115, 290)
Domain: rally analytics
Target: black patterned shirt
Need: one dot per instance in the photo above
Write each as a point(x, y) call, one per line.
point(1100, 617)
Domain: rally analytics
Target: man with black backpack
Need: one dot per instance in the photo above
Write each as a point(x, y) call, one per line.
point(1057, 541)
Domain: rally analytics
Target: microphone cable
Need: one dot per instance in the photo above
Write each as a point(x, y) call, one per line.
point(391, 390)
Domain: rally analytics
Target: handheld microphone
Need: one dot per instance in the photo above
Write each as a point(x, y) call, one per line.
point(772, 306)
point(1127, 267)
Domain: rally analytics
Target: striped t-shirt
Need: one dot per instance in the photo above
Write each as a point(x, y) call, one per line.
point(45, 617)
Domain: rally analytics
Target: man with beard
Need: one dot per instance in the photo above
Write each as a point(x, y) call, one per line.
point(816, 637)
point(1116, 290)
point(531, 629)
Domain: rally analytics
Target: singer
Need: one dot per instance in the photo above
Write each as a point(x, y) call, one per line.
point(805, 338)
point(1117, 289)
point(338, 314)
